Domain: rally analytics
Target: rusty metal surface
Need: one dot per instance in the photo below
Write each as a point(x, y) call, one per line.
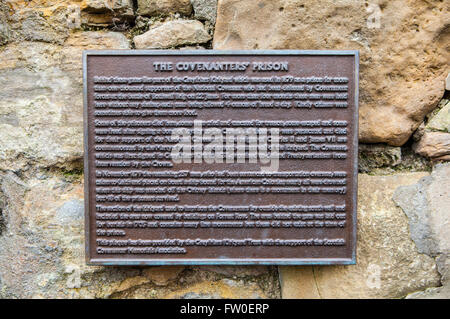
point(247, 244)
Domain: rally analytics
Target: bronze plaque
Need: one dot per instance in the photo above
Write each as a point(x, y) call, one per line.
point(220, 157)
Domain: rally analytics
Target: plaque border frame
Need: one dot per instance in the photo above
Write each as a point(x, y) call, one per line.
point(231, 261)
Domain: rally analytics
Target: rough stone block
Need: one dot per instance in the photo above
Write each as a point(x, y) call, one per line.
point(402, 67)
point(427, 205)
point(163, 7)
point(172, 34)
point(43, 125)
point(388, 263)
point(205, 10)
point(433, 144)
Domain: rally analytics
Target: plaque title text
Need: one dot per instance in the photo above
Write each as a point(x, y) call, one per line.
point(221, 66)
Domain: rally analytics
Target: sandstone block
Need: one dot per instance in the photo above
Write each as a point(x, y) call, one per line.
point(403, 50)
point(162, 275)
point(427, 205)
point(41, 101)
point(433, 144)
point(225, 288)
point(205, 10)
point(163, 7)
point(388, 263)
point(173, 34)
point(441, 120)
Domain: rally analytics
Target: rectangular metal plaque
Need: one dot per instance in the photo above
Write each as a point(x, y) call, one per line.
point(220, 157)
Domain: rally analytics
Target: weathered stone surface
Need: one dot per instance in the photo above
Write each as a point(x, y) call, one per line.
point(32, 26)
point(225, 288)
point(403, 50)
point(172, 34)
point(441, 120)
point(433, 144)
point(427, 205)
point(418, 216)
point(97, 6)
point(383, 159)
point(444, 158)
point(97, 19)
point(237, 271)
point(54, 19)
point(298, 283)
point(404, 56)
point(42, 216)
point(71, 211)
point(47, 21)
point(4, 27)
point(388, 263)
point(432, 138)
point(123, 6)
point(447, 82)
point(190, 47)
point(163, 7)
point(205, 10)
point(162, 275)
point(432, 293)
point(378, 155)
point(19, 253)
point(443, 262)
point(44, 231)
point(41, 102)
point(107, 12)
point(74, 46)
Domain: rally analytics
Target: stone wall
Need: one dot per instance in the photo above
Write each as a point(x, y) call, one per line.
point(404, 182)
